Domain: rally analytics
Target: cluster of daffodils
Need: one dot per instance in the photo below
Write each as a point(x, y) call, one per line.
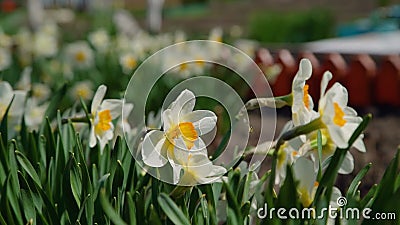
point(180, 146)
point(334, 119)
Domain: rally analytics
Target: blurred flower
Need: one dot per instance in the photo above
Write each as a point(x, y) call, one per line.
point(216, 34)
point(99, 39)
point(34, 113)
point(16, 113)
point(82, 89)
point(103, 112)
point(40, 92)
point(5, 59)
point(197, 168)
point(179, 121)
point(80, 55)
point(123, 126)
point(24, 82)
point(44, 45)
point(5, 40)
point(129, 62)
point(6, 95)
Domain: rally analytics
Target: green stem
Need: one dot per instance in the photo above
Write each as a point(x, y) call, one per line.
point(75, 120)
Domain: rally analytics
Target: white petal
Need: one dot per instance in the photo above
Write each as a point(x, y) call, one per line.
point(92, 138)
point(347, 165)
point(337, 135)
point(359, 144)
point(304, 172)
point(204, 121)
point(98, 97)
point(336, 193)
point(183, 104)
point(114, 105)
point(127, 109)
point(167, 119)
point(305, 69)
point(152, 152)
point(6, 92)
point(324, 83)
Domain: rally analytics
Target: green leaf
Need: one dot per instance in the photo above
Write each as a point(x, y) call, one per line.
point(232, 201)
point(356, 181)
point(131, 209)
point(27, 166)
point(171, 210)
point(109, 210)
point(55, 103)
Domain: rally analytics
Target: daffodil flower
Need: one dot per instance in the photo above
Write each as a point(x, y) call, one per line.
point(80, 55)
point(179, 121)
point(339, 119)
point(34, 113)
point(6, 95)
point(196, 167)
point(103, 112)
point(302, 106)
point(305, 174)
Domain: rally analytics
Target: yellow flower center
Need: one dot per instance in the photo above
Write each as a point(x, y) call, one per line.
point(104, 121)
point(80, 56)
point(187, 131)
point(339, 114)
point(305, 96)
point(130, 62)
point(83, 92)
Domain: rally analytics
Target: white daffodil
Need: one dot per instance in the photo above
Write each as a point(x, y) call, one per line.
point(339, 119)
point(34, 113)
point(5, 59)
point(128, 62)
point(16, 112)
point(305, 174)
point(80, 55)
point(44, 44)
point(103, 112)
point(82, 89)
point(302, 105)
point(5, 40)
point(6, 95)
point(197, 168)
point(179, 121)
point(24, 82)
point(123, 125)
point(100, 40)
point(41, 92)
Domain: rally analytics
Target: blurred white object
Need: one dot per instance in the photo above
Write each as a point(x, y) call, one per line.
point(126, 23)
point(35, 13)
point(154, 15)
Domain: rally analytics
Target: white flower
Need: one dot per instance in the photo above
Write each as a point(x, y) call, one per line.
point(100, 40)
point(5, 59)
point(82, 89)
point(16, 113)
point(80, 55)
point(24, 82)
point(302, 105)
point(216, 34)
point(41, 92)
point(123, 125)
point(197, 168)
point(102, 115)
point(340, 120)
point(305, 174)
point(179, 121)
point(5, 40)
point(6, 95)
point(128, 62)
point(44, 45)
point(34, 113)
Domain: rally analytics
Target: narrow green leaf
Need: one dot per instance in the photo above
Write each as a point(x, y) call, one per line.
point(356, 181)
point(109, 210)
point(27, 166)
point(172, 210)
